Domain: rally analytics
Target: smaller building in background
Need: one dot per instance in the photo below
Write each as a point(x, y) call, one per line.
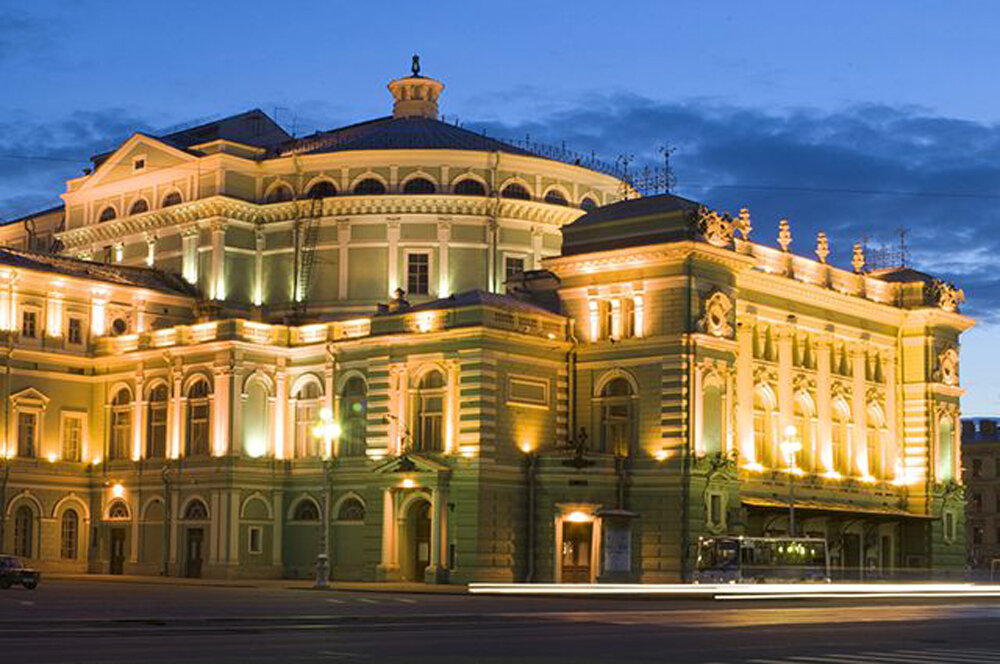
point(981, 469)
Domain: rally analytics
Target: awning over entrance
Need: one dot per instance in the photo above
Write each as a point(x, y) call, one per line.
point(822, 506)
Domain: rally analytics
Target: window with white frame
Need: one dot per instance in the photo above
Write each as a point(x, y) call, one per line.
point(74, 330)
point(418, 273)
point(29, 323)
point(255, 539)
point(513, 265)
point(27, 434)
point(72, 436)
point(27, 412)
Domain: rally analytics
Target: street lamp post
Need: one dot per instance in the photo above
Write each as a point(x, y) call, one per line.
point(789, 448)
point(327, 431)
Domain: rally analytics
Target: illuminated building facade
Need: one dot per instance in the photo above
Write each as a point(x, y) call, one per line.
point(563, 385)
point(981, 470)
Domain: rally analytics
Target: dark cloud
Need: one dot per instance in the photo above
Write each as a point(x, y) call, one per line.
point(865, 171)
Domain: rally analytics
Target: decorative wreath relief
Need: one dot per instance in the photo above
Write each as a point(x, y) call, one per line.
point(716, 318)
point(948, 366)
point(716, 228)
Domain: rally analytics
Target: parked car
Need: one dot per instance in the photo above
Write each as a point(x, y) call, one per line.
point(13, 571)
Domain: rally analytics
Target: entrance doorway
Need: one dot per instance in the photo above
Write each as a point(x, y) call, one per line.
point(577, 540)
point(418, 530)
point(117, 539)
point(195, 552)
point(853, 564)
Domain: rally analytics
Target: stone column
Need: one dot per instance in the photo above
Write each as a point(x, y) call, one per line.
point(217, 277)
point(786, 396)
point(392, 236)
point(175, 422)
point(859, 451)
point(258, 268)
point(744, 391)
point(437, 572)
point(280, 413)
point(537, 234)
point(221, 412)
point(444, 237)
point(389, 566)
point(189, 253)
point(823, 413)
point(343, 256)
point(895, 451)
point(150, 249)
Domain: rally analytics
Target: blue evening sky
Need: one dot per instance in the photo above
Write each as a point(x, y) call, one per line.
point(856, 118)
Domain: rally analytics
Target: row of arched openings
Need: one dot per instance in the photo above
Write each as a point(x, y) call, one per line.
point(307, 510)
point(24, 533)
point(282, 193)
point(139, 206)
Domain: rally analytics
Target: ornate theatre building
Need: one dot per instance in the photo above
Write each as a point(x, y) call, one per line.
point(437, 356)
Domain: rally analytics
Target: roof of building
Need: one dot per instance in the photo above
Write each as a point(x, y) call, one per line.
point(636, 207)
point(901, 275)
point(33, 215)
point(480, 298)
point(631, 223)
point(124, 275)
point(403, 133)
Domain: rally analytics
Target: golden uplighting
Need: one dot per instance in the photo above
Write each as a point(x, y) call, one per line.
point(408, 483)
point(578, 517)
point(53, 457)
point(117, 490)
point(753, 467)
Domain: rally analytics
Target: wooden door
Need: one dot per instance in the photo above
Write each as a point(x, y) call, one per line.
point(195, 552)
point(117, 551)
point(576, 549)
point(422, 541)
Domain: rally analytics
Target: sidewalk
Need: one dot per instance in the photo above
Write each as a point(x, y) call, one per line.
point(266, 584)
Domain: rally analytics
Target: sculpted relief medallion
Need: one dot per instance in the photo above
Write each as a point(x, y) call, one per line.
point(715, 320)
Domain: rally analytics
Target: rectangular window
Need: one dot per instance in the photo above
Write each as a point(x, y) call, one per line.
point(27, 435)
point(715, 509)
point(513, 266)
point(977, 467)
point(528, 392)
point(418, 274)
point(977, 502)
point(949, 526)
point(74, 331)
point(29, 324)
point(977, 535)
point(255, 539)
point(72, 437)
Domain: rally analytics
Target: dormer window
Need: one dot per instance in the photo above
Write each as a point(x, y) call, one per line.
point(107, 214)
point(139, 207)
point(173, 198)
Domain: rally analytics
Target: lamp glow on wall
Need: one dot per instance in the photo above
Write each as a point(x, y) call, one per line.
point(327, 431)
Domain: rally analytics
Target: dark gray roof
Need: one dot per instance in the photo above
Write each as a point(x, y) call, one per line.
point(480, 298)
point(124, 275)
point(901, 274)
point(390, 133)
point(635, 207)
point(632, 223)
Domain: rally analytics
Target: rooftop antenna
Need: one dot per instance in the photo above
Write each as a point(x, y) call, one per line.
point(625, 187)
point(669, 179)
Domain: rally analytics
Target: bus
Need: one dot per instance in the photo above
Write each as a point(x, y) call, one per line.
point(731, 559)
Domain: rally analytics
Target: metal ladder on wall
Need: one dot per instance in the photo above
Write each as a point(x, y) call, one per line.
point(310, 213)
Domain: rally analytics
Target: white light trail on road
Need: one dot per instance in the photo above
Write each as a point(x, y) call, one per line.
point(737, 591)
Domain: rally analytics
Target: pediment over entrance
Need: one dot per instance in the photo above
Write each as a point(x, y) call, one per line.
point(412, 463)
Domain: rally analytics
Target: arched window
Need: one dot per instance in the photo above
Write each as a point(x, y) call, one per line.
point(24, 526)
point(307, 406)
point(802, 421)
point(173, 198)
point(470, 187)
point(139, 207)
point(946, 451)
point(156, 423)
point(876, 452)
point(428, 413)
point(69, 535)
point(369, 187)
point(107, 214)
point(588, 204)
point(351, 510)
point(197, 443)
point(515, 190)
point(322, 189)
point(256, 441)
point(353, 415)
point(419, 186)
point(121, 425)
point(279, 194)
point(763, 434)
point(838, 438)
point(618, 427)
point(711, 419)
point(306, 510)
point(118, 511)
point(555, 197)
point(196, 510)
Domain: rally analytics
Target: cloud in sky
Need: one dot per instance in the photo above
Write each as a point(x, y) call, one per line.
point(860, 171)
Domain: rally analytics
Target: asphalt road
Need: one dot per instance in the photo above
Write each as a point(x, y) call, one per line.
point(87, 621)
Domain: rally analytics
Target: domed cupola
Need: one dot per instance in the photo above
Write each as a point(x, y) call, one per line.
point(415, 95)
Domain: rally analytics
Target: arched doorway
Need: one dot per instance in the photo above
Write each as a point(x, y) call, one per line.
point(417, 541)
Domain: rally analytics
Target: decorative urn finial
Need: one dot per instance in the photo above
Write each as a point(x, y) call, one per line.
point(822, 247)
point(858, 262)
point(784, 235)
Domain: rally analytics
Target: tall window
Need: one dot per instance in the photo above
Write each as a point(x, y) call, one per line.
point(711, 419)
point(513, 266)
point(72, 441)
point(24, 521)
point(29, 324)
point(121, 425)
point(306, 416)
point(27, 435)
point(617, 404)
point(197, 419)
point(74, 331)
point(353, 415)
point(803, 434)
point(873, 444)
point(427, 432)
point(69, 535)
point(838, 439)
point(156, 423)
point(418, 273)
point(763, 437)
point(946, 451)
